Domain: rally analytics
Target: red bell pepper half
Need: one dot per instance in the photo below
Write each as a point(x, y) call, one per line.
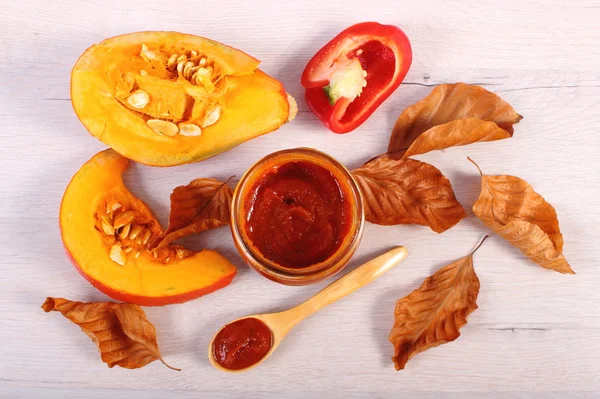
point(354, 73)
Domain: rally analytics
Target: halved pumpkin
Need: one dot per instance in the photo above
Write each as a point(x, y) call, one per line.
point(168, 98)
point(106, 232)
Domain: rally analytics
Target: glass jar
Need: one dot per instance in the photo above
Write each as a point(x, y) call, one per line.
point(310, 273)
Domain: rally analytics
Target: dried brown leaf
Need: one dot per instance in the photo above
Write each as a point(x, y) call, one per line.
point(407, 192)
point(456, 133)
point(121, 331)
point(452, 115)
point(434, 313)
point(511, 208)
point(202, 205)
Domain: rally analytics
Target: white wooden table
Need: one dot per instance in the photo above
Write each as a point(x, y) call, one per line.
point(536, 333)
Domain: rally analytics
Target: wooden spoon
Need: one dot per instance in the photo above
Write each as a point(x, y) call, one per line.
point(281, 323)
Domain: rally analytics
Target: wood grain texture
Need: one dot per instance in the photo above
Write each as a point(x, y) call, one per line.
point(536, 333)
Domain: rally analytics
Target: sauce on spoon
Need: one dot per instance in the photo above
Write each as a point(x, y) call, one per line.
point(242, 343)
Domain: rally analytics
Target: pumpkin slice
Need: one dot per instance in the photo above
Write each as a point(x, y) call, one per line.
point(106, 231)
point(167, 98)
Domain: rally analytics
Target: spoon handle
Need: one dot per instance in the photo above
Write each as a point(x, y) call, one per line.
point(347, 284)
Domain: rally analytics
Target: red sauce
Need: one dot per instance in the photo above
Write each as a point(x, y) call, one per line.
point(242, 343)
point(297, 214)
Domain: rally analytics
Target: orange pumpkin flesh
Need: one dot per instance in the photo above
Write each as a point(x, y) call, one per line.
point(117, 262)
point(104, 78)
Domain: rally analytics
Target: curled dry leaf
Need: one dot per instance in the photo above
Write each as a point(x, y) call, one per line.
point(452, 115)
point(509, 206)
point(121, 331)
point(434, 313)
point(408, 192)
point(202, 205)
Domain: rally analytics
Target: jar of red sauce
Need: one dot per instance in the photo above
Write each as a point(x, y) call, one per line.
point(297, 216)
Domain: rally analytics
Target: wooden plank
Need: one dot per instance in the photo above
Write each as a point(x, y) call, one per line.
point(535, 332)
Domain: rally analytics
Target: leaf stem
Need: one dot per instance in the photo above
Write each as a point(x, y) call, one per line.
point(171, 367)
point(477, 166)
point(480, 244)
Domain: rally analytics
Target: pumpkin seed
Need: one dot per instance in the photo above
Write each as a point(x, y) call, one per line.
point(123, 218)
point(107, 228)
point(163, 127)
point(206, 78)
point(205, 72)
point(146, 237)
point(135, 231)
point(180, 66)
point(125, 231)
point(172, 61)
point(212, 117)
point(112, 206)
point(191, 73)
point(186, 68)
point(138, 99)
point(107, 219)
point(189, 129)
point(117, 255)
point(146, 54)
